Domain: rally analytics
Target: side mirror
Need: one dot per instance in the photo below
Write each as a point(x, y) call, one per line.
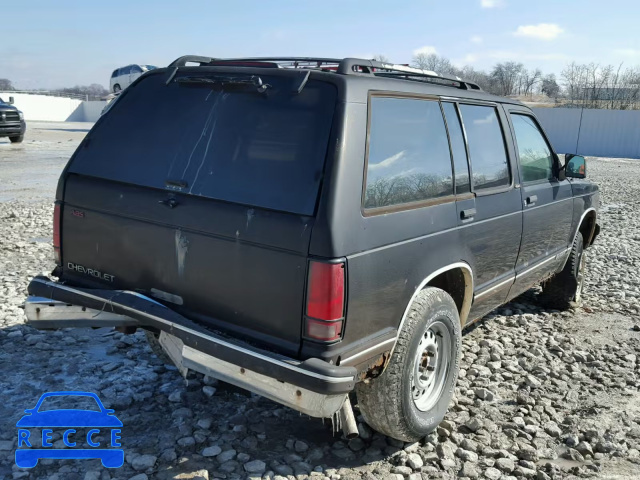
point(575, 166)
point(11, 100)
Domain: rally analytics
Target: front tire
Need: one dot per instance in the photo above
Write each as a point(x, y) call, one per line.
point(411, 397)
point(17, 139)
point(564, 290)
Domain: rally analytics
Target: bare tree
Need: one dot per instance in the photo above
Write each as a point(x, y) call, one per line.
point(550, 86)
point(506, 77)
point(5, 84)
point(528, 80)
point(434, 63)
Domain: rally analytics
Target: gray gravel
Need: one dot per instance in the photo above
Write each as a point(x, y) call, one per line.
point(541, 395)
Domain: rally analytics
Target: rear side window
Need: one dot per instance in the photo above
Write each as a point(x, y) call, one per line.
point(115, 73)
point(489, 162)
point(536, 159)
point(458, 148)
point(409, 158)
point(231, 144)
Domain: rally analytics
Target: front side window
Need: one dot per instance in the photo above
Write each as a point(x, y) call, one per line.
point(136, 69)
point(489, 162)
point(409, 158)
point(536, 159)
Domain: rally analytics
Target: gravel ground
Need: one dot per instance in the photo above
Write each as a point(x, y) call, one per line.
point(542, 394)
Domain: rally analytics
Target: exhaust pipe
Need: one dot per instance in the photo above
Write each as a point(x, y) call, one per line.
point(347, 420)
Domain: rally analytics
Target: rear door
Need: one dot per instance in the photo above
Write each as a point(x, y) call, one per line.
point(489, 206)
point(202, 194)
point(548, 202)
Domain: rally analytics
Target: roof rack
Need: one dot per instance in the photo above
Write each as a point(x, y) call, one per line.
point(345, 66)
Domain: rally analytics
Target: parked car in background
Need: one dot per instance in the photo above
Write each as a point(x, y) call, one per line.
point(12, 122)
point(303, 232)
point(122, 77)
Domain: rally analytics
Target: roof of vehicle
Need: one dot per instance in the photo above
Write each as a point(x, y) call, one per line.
point(369, 74)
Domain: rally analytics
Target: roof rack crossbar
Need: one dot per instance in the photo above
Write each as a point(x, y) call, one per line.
point(345, 66)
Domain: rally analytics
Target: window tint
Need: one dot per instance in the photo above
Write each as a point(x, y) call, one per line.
point(125, 70)
point(536, 159)
point(115, 73)
point(135, 69)
point(409, 158)
point(232, 145)
point(486, 147)
point(458, 148)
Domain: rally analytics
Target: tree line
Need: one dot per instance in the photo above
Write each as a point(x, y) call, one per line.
point(94, 91)
point(580, 85)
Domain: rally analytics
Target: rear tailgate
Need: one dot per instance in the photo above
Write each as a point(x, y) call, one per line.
point(204, 199)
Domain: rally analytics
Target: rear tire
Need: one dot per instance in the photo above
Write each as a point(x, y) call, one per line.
point(564, 290)
point(17, 139)
point(116, 88)
point(411, 397)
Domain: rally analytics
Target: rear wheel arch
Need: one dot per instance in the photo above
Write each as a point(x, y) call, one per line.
point(457, 280)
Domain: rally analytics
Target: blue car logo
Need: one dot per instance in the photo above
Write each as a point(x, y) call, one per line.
point(98, 421)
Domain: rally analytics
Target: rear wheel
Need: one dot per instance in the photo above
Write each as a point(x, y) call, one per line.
point(17, 139)
point(412, 396)
point(116, 88)
point(564, 289)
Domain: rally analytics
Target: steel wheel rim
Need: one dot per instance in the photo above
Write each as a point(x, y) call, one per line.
point(580, 274)
point(431, 366)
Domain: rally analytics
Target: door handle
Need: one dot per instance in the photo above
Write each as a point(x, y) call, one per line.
point(468, 213)
point(531, 200)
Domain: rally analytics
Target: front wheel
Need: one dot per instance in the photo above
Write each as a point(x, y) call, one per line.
point(412, 396)
point(565, 288)
point(17, 139)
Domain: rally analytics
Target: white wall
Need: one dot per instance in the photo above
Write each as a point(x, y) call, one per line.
point(54, 109)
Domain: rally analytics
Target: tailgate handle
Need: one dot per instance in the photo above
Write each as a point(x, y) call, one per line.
point(169, 202)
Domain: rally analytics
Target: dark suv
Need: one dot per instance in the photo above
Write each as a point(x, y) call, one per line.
point(12, 123)
point(305, 228)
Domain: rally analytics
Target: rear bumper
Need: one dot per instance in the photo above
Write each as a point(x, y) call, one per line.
point(55, 305)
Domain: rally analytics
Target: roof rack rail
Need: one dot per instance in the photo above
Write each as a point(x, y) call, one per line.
point(359, 66)
point(345, 66)
point(182, 61)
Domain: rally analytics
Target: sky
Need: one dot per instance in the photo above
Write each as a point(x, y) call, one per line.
point(62, 43)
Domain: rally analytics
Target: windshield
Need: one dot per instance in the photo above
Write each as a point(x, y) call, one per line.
point(237, 145)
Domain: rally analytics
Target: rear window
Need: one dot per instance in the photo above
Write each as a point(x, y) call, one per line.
point(236, 145)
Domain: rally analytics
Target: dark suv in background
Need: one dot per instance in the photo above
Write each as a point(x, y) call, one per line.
point(306, 228)
point(12, 122)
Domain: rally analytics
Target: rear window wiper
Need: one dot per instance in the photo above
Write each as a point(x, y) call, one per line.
point(226, 83)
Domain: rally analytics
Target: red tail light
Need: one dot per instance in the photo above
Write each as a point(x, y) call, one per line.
point(325, 301)
point(56, 233)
